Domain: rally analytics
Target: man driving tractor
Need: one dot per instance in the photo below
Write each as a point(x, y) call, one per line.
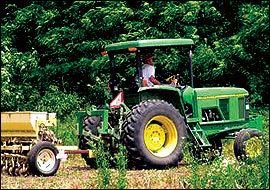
point(149, 71)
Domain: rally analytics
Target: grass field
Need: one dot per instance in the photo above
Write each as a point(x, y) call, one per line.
point(74, 174)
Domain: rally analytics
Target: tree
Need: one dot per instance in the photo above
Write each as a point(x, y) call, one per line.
point(52, 48)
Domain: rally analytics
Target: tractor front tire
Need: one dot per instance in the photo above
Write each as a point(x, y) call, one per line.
point(153, 134)
point(248, 144)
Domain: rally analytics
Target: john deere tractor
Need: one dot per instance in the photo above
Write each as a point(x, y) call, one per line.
point(153, 122)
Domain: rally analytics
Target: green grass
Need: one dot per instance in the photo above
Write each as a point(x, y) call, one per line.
point(103, 158)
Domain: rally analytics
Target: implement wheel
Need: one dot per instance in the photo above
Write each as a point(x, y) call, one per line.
point(153, 134)
point(42, 159)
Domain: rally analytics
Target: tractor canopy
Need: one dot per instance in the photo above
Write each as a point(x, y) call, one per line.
point(148, 43)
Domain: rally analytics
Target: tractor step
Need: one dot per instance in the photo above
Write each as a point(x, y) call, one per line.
point(199, 135)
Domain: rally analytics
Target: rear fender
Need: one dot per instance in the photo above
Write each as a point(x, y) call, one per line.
point(169, 94)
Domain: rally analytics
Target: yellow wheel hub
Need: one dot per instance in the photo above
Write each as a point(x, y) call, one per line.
point(160, 136)
point(154, 137)
point(254, 147)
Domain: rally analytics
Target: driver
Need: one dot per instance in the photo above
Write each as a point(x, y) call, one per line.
point(148, 71)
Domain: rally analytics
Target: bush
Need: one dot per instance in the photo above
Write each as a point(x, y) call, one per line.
point(56, 101)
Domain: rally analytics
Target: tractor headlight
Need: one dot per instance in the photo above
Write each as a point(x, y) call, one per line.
point(247, 109)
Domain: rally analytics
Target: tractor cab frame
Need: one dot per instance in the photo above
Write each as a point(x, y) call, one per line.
point(141, 47)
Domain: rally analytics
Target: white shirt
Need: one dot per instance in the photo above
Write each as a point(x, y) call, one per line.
point(148, 71)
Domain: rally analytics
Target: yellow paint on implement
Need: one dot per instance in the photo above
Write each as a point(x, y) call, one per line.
point(26, 124)
point(220, 96)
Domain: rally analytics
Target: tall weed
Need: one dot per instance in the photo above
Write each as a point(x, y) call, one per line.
point(103, 161)
point(103, 166)
point(121, 165)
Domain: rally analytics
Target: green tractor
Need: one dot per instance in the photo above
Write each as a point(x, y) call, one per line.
point(153, 122)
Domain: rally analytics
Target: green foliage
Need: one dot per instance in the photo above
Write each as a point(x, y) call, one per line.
point(121, 165)
point(66, 130)
point(103, 164)
point(224, 173)
point(56, 101)
point(105, 160)
point(58, 43)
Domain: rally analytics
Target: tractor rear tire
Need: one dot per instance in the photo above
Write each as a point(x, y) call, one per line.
point(42, 159)
point(90, 123)
point(153, 134)
point(241, 150)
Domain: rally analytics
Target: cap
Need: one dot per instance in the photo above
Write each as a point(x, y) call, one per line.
point(147, 56)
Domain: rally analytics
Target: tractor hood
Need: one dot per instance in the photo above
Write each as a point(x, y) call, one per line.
point(202, 93)
point(220, 92)
point(212, 93)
